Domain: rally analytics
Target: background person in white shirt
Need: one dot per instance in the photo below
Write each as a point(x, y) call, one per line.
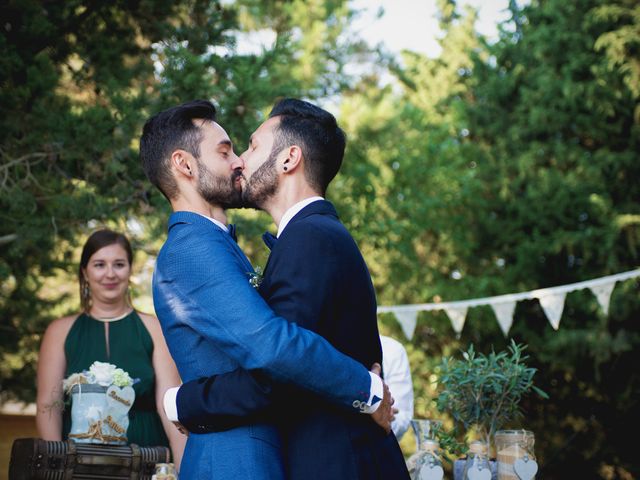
point(397, 374)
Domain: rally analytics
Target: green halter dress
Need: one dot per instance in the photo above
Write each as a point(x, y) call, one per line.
point(129, 347)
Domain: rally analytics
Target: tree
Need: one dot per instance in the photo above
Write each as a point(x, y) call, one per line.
point(508, 167)
point(558, 143)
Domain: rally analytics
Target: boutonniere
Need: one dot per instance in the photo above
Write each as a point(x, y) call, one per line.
point(255, 278)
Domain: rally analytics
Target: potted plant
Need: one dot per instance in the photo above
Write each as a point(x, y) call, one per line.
point(482, 393)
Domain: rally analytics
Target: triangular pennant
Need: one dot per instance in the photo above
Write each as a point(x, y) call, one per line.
point(603, 294)
point(407, 320)
point(553, 304)
point(504, 314)
point(457, 317)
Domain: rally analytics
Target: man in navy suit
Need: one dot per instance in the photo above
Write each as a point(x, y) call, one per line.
point(214, 321)
point(316, 277)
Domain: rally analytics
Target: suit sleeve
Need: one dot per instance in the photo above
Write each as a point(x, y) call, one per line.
point(214, 297)
point(397, 374)
point(221, 402)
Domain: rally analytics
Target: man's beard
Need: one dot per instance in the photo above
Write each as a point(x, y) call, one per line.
point(218, 189)
point(263, 184)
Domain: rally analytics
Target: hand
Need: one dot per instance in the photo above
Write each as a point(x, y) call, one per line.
point(385, 414)
point(181, 428)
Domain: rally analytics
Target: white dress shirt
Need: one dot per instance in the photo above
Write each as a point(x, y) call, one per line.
point(397, 374)
point(292, 211)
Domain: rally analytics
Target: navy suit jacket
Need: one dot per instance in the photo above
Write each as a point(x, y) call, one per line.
point(317, 278)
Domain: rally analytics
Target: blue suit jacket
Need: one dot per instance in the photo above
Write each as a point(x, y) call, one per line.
point(316, 277)
point(214, 322)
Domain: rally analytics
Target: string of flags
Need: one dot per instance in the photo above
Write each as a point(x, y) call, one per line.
point(551, 300)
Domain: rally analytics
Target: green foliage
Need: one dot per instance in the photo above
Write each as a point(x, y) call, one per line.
point(505, 167)
point(484, 391)
point(621, 44)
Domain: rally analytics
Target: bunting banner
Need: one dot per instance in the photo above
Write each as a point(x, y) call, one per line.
point(551, 300)
point(553, 304)
point(457, 317)
point(407, 321)
point(603, 294)
point(504, 314)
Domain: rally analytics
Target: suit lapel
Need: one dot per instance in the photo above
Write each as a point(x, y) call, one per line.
point(211, 229)
point(239, 253)
point(320, 207)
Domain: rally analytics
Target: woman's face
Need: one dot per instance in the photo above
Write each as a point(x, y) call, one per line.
point(108, 273)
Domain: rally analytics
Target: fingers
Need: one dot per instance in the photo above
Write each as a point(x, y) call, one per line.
point(383, 416)
point(181, 428)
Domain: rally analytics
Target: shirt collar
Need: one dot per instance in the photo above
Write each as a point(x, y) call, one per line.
point(293, 210)
point(220, 224)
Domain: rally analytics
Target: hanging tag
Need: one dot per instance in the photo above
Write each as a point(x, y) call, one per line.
point(433, 472)
point(476, 473)
point(525, 468)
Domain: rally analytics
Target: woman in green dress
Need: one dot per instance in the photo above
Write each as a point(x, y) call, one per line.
point(108, 330)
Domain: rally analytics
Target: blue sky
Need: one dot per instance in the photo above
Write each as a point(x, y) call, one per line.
point(412, 24)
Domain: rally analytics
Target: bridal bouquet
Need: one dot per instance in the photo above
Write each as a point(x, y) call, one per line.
point(101, 398)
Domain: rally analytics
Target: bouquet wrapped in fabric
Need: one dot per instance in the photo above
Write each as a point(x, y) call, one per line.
point(101, 398)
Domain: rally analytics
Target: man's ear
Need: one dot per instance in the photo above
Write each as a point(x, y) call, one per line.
point(182, 162)
point(293, 158)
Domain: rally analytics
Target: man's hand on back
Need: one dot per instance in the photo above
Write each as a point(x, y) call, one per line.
point(385, 414)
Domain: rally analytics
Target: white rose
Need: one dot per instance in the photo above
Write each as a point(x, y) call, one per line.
point(103, 373)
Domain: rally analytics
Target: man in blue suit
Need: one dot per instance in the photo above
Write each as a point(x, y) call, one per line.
point(214, 321)
point(316, 277)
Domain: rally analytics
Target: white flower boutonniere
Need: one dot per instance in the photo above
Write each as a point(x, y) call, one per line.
point(255, 278)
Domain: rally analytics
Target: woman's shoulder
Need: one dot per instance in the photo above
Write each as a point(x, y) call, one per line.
point(60, 327)
point(150, 321)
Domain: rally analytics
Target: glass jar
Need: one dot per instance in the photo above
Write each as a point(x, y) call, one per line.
point(477, 462)
point(425, 430)
point(88, 407)
point(165, 471)
point(428, 463)
point(515, 455)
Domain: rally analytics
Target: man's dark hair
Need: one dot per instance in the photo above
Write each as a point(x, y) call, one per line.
point(317, 133)
point(168, 131)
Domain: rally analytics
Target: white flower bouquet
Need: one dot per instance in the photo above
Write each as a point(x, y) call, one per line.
point(255, 277)
point(101, 398)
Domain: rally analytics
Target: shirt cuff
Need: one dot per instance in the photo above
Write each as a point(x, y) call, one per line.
point(171, 404)
point(375, 396)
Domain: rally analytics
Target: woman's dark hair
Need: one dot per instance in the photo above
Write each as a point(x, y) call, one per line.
point(96, 241)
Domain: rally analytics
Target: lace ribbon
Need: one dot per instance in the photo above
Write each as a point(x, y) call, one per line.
point(95, 432)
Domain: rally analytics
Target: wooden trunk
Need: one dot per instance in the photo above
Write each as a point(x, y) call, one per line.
point(33, 458)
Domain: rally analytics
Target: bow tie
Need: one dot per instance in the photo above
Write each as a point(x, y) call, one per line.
point(232, 231)
point(269, 239)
